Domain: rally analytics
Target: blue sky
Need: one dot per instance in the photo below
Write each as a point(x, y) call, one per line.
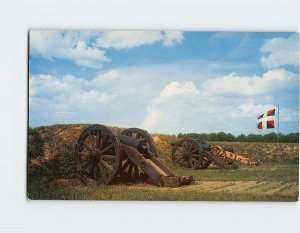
point(164, 81)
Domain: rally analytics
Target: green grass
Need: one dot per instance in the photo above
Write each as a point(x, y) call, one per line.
point(269, 171)
point(126, 192)
point(48, 189)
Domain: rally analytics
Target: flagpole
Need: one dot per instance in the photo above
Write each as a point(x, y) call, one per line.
point(278, 130)
point(277, 123)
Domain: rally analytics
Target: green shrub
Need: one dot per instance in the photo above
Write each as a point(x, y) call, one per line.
point(35, 144)
point(65, 164)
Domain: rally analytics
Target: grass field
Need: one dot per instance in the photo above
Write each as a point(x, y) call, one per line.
point(51, 175)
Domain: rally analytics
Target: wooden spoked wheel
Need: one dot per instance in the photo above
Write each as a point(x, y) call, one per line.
point(142, 134)
point(98, 154)
point(187, 153)
point(128, 170)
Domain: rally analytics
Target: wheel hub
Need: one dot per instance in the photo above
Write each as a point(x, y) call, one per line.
point(96, 155)
point(186, 155)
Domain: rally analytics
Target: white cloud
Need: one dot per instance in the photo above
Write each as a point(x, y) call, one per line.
point(181, 107)
point(78, 91)
point(281, 51)
point(171, 38)
point(177, 88)
point(250, 109)
point(251, 85)
point(70, 45)
point(130, 39)
point(153, 118)
point(104, 78)
point(92, 96)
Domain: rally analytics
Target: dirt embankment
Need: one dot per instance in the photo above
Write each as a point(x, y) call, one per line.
point(56, 137)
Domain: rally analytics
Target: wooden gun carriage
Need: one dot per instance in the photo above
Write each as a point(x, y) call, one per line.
point(194, 153)
point(106, 156)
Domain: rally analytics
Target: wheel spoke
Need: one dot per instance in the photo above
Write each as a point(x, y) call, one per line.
point(180, 150)
point(108, 157)
point(194, 150)
point(180, 158)
point(90, 168)
point(130, 169)
point(91, 140)
point(86, 162)
point(100, 171)
point(107, 148)
point(88, 146)
point(195, 160)
point(205, 159)
point(83, 156)
point(97, 139)
point(136, 171)
point(106, 165)
point(125, 165)
point(182, 163)
point(103, 141)
point(184, 147)
point(185, 163)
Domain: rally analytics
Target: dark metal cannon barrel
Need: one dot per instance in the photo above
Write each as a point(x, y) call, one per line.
point(206, 146)
point(138, 143)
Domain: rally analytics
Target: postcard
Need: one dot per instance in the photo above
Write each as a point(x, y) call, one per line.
point(163, 115)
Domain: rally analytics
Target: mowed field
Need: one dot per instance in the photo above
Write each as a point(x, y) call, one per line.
point(52, 173)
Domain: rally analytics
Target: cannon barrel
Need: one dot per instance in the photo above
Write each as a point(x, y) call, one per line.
point(205, 146)
point(139, 144)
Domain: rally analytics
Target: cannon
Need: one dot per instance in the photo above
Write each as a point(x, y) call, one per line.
point(228, 155)
point(195, 154)
point(106, 156)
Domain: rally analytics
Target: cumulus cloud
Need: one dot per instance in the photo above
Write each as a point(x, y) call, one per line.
point(131, 39)
point(70, 45)
point(69, 88)
point(86, 48)
point(104, 78)
point(68, 97)
point(253, 109)
point(177, 88)
point(181, 107)
point(281, 51)
point(184, 107)
point(251, 85)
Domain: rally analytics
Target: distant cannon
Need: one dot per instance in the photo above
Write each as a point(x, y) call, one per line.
point(195, 154)
point(106, 156)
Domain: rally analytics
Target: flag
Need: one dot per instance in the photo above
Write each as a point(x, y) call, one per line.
point(271, 112)
point(260, 125)
point(270, 124)
point(266, 120)
point(260, 116)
